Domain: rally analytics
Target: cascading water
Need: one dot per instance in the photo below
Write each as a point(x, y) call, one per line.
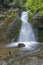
point(26, 36)
point(26, 33)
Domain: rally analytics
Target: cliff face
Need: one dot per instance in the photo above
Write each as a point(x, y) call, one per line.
point(9, 27)
point(38, 24)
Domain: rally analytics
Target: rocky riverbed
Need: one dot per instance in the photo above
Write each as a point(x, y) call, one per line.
point(13, 56)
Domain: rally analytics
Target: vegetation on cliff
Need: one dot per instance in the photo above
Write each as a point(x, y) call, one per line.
point(35, 6)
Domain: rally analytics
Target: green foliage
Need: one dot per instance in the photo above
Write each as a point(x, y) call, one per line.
point(30, 16)
point(35, 6)
point(41, 13)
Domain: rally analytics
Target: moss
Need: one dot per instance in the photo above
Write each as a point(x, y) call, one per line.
point(41, 13)
point(30, 17)
point(18, 30)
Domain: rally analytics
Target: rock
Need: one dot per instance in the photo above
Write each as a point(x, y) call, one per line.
point(31, 59)
point(36, 16)
point(3, 62)
point(13, 56)
point(21, 45)
point(6, 53)
point(9, 30)
point(38, 25)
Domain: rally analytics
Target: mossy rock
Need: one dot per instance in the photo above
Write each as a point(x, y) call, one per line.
point(9, 28)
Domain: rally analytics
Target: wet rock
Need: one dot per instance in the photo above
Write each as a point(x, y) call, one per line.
point(29, 59)
point(21, 45)
point(38, 25)
point(3, 62)
point(16, 57)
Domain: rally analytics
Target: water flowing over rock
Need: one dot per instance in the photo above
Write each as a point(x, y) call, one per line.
point(14, 53)
point(26, 35)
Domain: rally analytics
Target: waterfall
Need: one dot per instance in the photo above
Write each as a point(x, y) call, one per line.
point(26, 33)
point(26, 36)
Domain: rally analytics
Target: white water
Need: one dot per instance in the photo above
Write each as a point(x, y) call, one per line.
point(26, 33)
point(26, 36)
